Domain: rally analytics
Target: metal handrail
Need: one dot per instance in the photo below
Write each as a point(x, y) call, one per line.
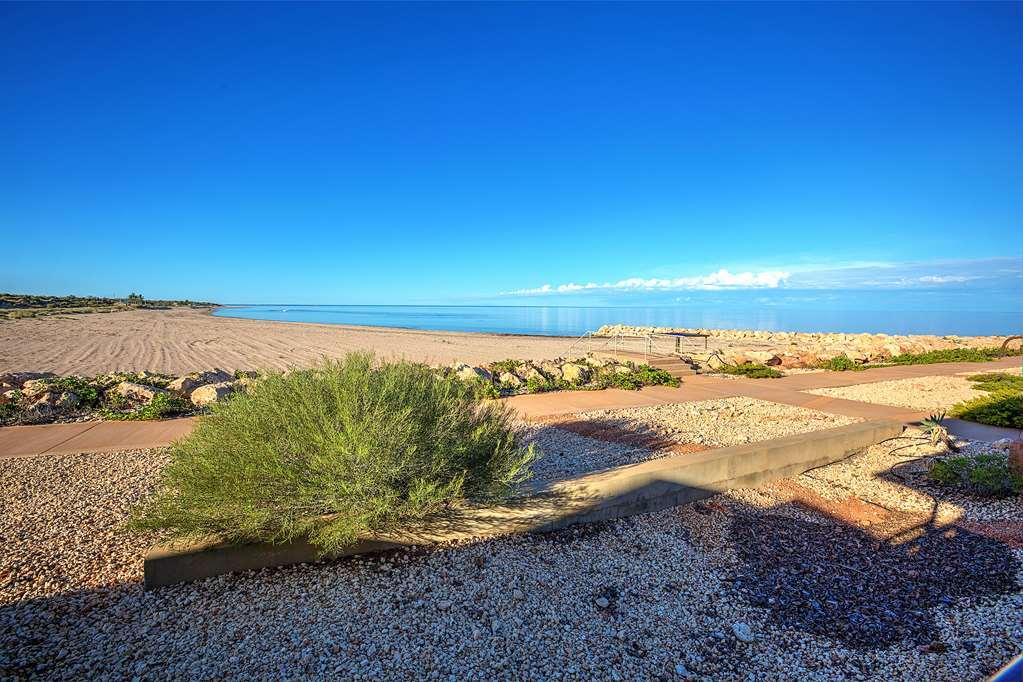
point(650, 342)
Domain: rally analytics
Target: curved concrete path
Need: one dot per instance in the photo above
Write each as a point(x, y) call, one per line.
point(20, 441)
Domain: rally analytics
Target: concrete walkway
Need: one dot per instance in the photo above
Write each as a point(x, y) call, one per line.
point(20, 441)
point(61, 439)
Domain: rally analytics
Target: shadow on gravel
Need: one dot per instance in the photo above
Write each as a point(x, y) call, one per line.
point(837, 580)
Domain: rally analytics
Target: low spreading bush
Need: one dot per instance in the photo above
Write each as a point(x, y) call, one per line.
point(643, 375)
point(505, 366)
point(751, 370)
point(1000, 408)
point(87, 394)
point(951, 355)
point(336, 452)
point(162, 405)
point(997, 381)
point(841, 363)
point(986, 474)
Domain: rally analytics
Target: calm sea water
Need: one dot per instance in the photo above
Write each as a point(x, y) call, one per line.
point(574, 321)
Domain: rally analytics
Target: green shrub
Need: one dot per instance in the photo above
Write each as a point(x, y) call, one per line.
point(751, 370)
point(483, 390)
point(162, 405)
point(951, 355)
point(986, 474)
point(535, 384)
point(10, 409)
point(505, 366)
point(1000, 408)
point(841, 363)
point(334, 453)
point(651, 376)
point(996, 381)
point(88, 395)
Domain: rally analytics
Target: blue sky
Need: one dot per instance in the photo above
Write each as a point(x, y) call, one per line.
point(536, 153)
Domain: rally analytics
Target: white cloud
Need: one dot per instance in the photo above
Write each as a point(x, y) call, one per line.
point(722, 279)
point(945, 279)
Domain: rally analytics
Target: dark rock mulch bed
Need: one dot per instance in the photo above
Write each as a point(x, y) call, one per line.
point(841, 582)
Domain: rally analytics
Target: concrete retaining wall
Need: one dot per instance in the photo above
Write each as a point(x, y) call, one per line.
point(615, 493)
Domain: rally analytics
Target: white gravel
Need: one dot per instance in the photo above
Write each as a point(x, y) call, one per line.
point(72, 607)
point(724, 422)
point(566, 454)
point(925, 393)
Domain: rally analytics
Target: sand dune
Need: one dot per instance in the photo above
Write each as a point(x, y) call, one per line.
point(179, 341)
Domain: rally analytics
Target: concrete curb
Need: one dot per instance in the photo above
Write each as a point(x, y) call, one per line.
point(610, 494)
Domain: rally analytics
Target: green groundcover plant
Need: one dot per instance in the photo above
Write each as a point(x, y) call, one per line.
point(986, 474)
point(751, 370)
point(349, 448)
point(1003, 406)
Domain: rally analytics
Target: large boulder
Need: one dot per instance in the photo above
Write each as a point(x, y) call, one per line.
point(576, 373)
point(763, 357)
point(470, 373)
point(527, 371)
point(68, 400)
point(186, 385)
point(551, 370)
point(212, 393)
point(509, 379)
point(137, 392)
point(34, 387)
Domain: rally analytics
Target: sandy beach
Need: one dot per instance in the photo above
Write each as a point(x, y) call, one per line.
point(180, 341)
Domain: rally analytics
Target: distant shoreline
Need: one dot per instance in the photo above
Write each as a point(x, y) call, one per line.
point(572, 322)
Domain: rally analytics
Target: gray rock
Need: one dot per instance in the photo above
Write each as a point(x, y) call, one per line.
point(602, 602)
point(742, 632)
point(68, 400)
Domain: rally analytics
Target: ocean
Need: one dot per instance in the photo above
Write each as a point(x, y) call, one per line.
point(577, 320)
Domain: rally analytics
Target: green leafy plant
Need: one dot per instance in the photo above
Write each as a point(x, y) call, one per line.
point(505, 366)
point(951, 355)
point(10, 407)
point(88, 395)
point(999, 408)
point(997, 381)
point(334, 453)
point(985, 474)
point(841, 363)
point(162, 405)
point(536, 384)
point(751, 370)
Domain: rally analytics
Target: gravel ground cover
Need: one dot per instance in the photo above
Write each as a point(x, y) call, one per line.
point(567, 454)
point(723, 589)
point(721, 423)
point(924, 393)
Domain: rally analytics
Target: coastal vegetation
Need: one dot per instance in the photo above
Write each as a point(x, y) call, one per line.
point(843, 363)
point(19, 306)
point(35, 397)
point(334, 453)
point(1003, 406)
point(750, 370)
